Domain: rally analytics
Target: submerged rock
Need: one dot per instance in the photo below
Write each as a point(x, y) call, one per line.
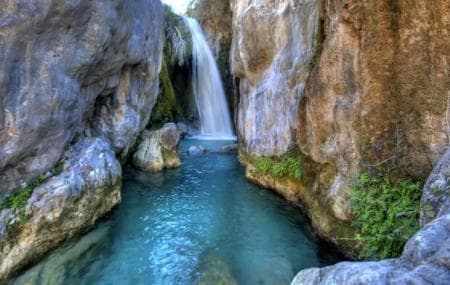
point(230, 148)
point(212, 269)
point(56, 267)
point(64, 206)
point(197, 150)
point(158, 149)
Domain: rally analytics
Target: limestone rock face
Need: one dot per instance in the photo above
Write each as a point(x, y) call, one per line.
point(73, 68)
point(425, 260)
point(63, 207)
point(426, 256)
point(271, 50)
point(158, 149)
point(378, 95)
point(436, 193)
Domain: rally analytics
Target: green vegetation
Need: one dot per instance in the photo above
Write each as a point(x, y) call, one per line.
point(166, 108)
point(289, 165)
point(18, 200)
point(386, 214)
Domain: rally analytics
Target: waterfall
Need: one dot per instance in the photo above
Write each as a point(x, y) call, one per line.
point(215, 120)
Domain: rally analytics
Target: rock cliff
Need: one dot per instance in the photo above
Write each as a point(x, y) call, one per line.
point(271, 50)
point(71, 69)
point(358, 86)
point(425, 258)
point(78, 81)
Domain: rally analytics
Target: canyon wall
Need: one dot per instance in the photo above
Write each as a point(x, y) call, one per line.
point(377, 99)
point(78, 81)
point(73, 69)
point(271, 51)
point(357, 86)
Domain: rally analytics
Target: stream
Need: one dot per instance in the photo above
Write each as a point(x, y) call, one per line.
point(200, 224)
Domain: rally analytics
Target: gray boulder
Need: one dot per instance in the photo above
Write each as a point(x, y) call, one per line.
point(62, 207)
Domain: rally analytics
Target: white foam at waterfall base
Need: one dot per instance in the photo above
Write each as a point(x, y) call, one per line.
point(215, 119)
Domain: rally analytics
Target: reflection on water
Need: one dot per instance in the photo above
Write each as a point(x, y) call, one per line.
point(200, 224)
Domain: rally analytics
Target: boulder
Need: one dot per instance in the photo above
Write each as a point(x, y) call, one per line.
point(169, 136)
point(66, 205)
point(158, 149)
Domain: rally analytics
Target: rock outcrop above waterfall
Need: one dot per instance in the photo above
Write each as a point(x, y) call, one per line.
point(78, 82)
point(71, 202)
point(73, 69)
point(271, 51)
point(426, 257)
point(158, 149)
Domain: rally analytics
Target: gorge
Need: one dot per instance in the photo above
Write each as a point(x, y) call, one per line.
point(338, 107)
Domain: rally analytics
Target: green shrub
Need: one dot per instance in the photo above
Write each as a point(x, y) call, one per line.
point(288, 166)
point(386, 214)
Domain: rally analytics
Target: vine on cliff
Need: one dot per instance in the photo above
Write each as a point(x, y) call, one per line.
point(386, 214)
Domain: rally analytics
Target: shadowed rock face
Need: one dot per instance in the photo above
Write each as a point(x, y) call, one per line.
point(71, 69)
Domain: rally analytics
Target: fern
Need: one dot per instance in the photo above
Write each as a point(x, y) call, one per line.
point(386, 214)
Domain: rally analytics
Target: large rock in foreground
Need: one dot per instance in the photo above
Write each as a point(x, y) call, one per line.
point(63, 207)
point(73, 68)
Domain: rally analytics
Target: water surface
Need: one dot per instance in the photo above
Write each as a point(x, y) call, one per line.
point(202, 223)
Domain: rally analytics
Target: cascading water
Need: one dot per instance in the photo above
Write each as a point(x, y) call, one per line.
point(215, 120)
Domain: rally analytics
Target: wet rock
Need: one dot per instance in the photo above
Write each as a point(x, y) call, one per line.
point(71, 69)
point(158, 149)
point(231, 148)
point(183, 128)
point(169, 136)
point(64, 206)
point(197, 150)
